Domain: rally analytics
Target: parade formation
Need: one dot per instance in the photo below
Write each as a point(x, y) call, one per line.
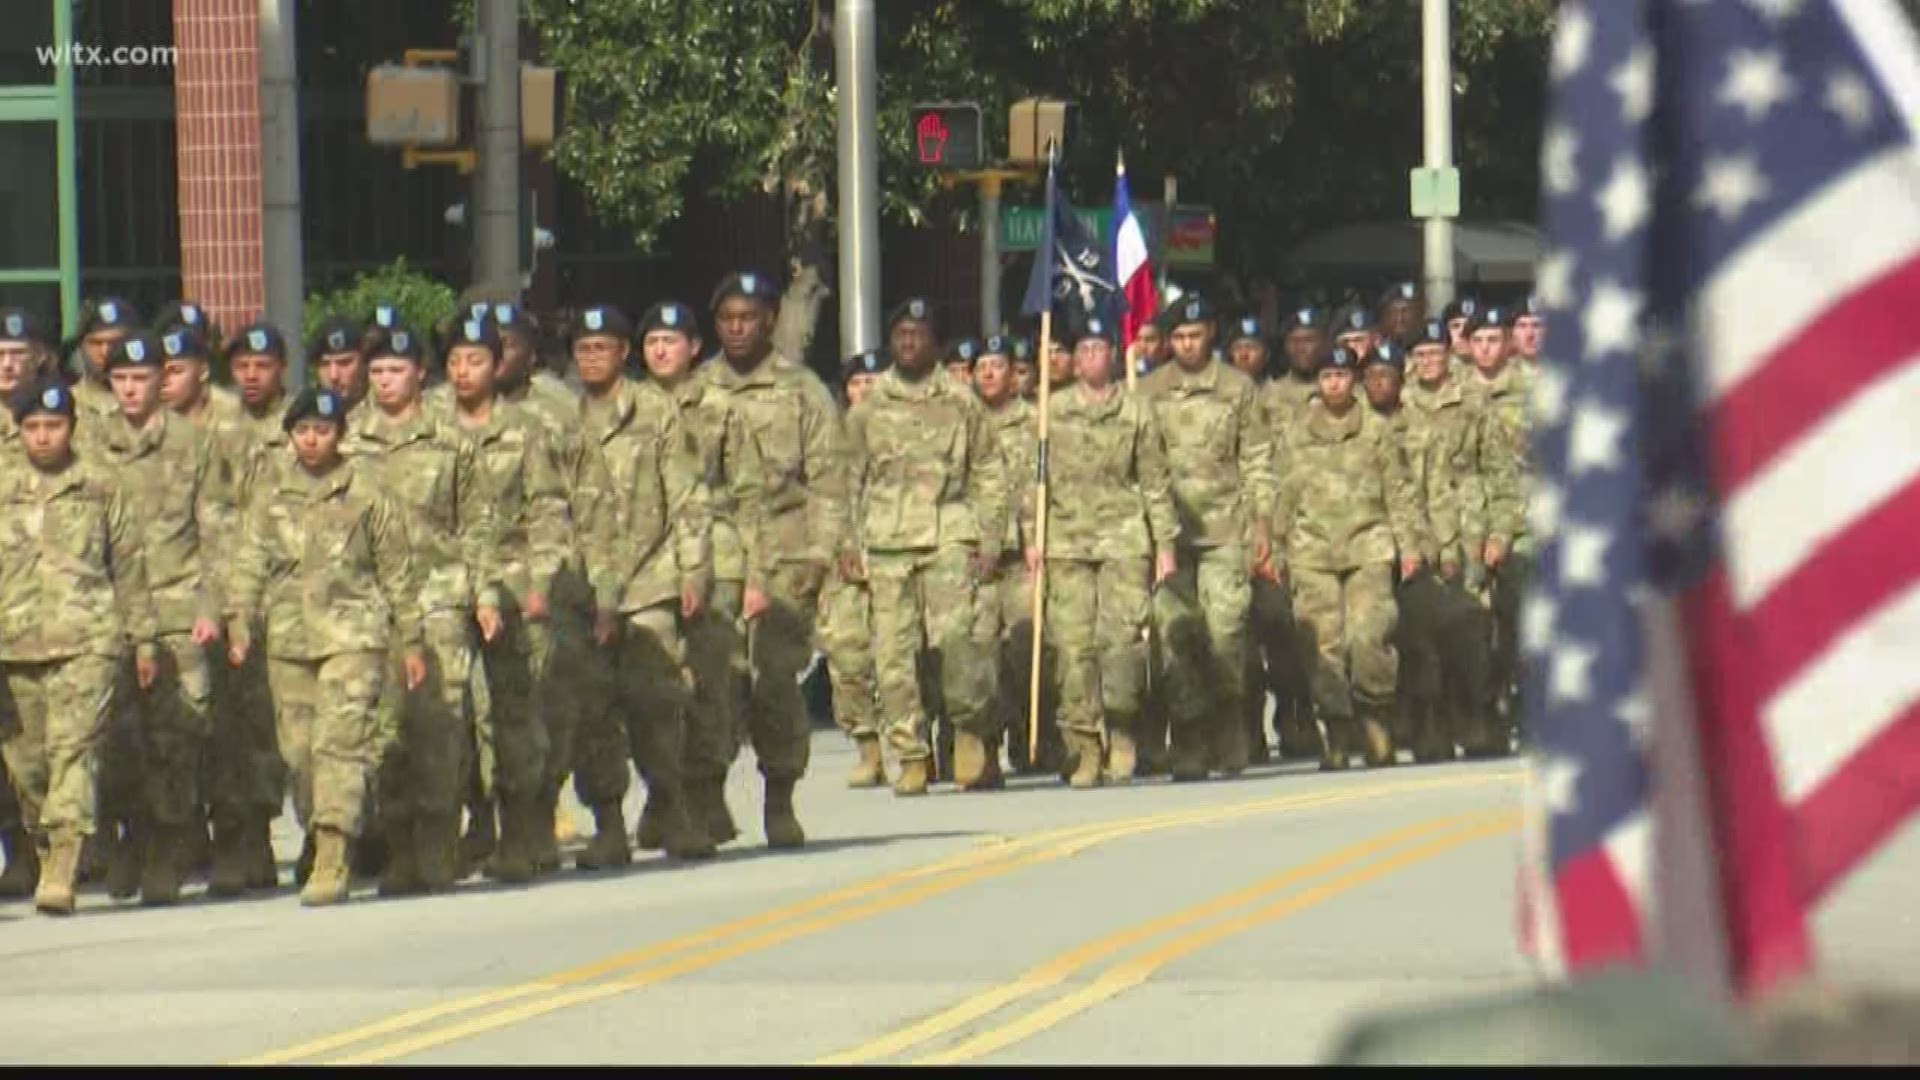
point(428, 591)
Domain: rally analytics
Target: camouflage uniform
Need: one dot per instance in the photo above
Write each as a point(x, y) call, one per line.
point(172, 484)
point(1507, 469)
point(929, 479)
point(218, 406)
point(1445, 629)
point(1014, 430)
point(796, 427)
point(73, 598)
point(1109, 513)
point(1275, 655)
point(650, 545)
point(325, 568)
point(93, 398)
point(426, 469)
point(1347, 509)
point(1220, 456)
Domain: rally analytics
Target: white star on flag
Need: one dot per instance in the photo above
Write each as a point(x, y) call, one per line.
point(1626, 198)
point(1775, 11)
point(1610, 321)
point(1537, 613)
point(1756, 83)
point(1549, 395)
point(1553, 279)
point(1544, 507)
point(1571, 43)
point(1595, 441)
point(1731, 184)
point(1850, 100)
point(1571, 679)
point(1557, 150)
point(1633, 81)
point(1637, 714)
point(1583, 558)
point(1560, 781)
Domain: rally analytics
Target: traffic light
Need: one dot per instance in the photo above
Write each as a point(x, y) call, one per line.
point(948, 135)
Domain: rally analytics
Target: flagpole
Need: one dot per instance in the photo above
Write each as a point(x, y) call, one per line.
point(1040, 543)
point(1126, 347)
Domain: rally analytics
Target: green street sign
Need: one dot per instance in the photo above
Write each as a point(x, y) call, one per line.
point(1189, 243)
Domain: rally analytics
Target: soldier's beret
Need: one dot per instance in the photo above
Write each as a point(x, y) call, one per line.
point(479, 332)
point(601, 320)
point(1022, 350)
point(338, 334)
point(1488, 316)
point(111, 313)
point(183, 343)
point(917, 308)
point(1431, 332)
point(1462, 308)
point(44, 395)
point(184, 313)
point(670, 315)
point(1340, 357)
point(401, 341)
point(1530, 306)
point(965, 351)
point(262, 338)
point(1408, 291)
point(385, 316)
point(1388, 355)
point(1357, 319)
point(1248, 328)
point(19, 324)
point(1190, 309)
point(311, 404)
point(507, 316)
point(747, 283)
point(138, 349)
point(1095, 328)
point(870, 362)
point(1306, 318)
point(999, 345)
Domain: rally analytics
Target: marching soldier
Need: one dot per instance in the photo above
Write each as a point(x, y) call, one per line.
point(797, 429)
point(846, 622)
point(1111, 537)
point(424, 467)
point(931, 486)
point(734, 475)
point(1218, 450)
point(526, 538)
point(1457, 314)
point(1346, 508)
point(23, 359)
point(73, 598)
point(1358, 332)
point(1445, 426)
point(1269, 615)
point(648, 560)
point(171, 482)
point(102, 326)
point(340, 364)
point(1505, 390)
point(324, 568)
point(960, 359)
point(186, 382)
point(1529, 334)
point(1023, 381)
point(1402, 308)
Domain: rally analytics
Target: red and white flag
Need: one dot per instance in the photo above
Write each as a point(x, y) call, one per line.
point(1131, 266)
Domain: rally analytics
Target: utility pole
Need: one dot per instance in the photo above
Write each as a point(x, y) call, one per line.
point(857, 139)
point(283, 257)
point(496, 190)
point(989, 256)
point(1436, 71)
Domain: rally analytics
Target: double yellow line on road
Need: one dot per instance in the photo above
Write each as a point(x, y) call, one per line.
point(1376, 857)
point(425, 1028)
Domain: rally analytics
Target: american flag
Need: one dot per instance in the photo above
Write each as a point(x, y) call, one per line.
point(1723, 637)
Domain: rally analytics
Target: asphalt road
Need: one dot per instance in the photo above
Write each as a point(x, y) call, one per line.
point(1225, 922)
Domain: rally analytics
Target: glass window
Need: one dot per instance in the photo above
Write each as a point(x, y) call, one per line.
point(41, 299)
point(29, 196)
point(29, 31)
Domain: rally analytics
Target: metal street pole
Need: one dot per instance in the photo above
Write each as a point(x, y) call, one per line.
point(496, 191)
point(989, 256)
point(1437, 99)
point(859, 177)
point(283, 257)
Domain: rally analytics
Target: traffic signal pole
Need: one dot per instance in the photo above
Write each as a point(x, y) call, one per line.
point(859, 177)
point(496, 191)
point(1437, 101)
point(283, 262)
point(989, 255)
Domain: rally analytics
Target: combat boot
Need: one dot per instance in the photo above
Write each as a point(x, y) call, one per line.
point(256, 844)
point(1337, 740)
point(169, 849)
point(870, 771)
point(481, 838)
point(546, 836)
point(1122, 755)
point(436, 841)
point(1376, 736)
point(969, 760)
point(54, 896)
point(912, 779)
point(710, 809)
point(1083, 758)
point(125, 862)
point(327, 881)
point(1230, 741)
point(992, 779)
point(303, 866)
point(1188, 759)
point(1155, 760)
point(512, 862)
point(401, 874)
point(23, 864)
point(651, 835)
point(680, 835)
point(608, 848)
point(783, 827)
point(230, 877)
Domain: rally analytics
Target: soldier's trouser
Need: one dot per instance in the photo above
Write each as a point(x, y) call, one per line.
point(425, 769)
point(1510, 584)
point(1095, 612)
point(55, 719)
point(9, 802)
point(174, 719)
point(327, 711)
point(779, 646)
point(718, 662)
point(246, 775)
point(1346, 620)
point(926, 608)
point(1014, 687)
point(509, 738)
point(1209, 599)
point(846, 634)
point(1273, 664)
point(577, 684)
point(645, 717)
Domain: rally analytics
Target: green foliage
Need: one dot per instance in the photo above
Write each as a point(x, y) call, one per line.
point(423, 299)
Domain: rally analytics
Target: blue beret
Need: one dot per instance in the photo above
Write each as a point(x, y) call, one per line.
point(1432, 332)
point(602, 320)
point(401, 341)
point(138, 349)
point(1193, 309)
point(183, 343)
point(338, 334)
point(917, 308)
point(1358, 319)
point(747, 283)
point(870, 362)
point(111, 313)
point(47, 395)
point(1248, 328)
point(1340, 357)
point(1388, 355)
point(311, 404)
point(965, 351)
point(19, 324)
point(1306, 318)
point(260, 337)
point(670, 315)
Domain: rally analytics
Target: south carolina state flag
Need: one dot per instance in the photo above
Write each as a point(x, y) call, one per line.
point(1130, 264)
